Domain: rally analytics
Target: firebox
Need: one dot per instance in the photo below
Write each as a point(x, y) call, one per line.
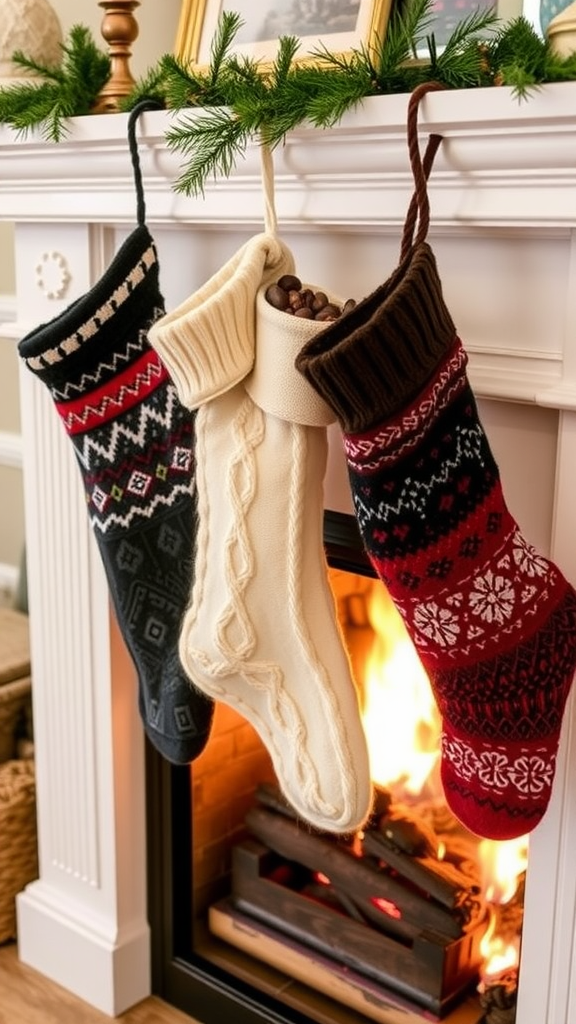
point(256, 916)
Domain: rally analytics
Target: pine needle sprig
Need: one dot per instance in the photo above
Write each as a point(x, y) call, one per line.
point(340, 82)
point(281, 102)
point(67, 90)
point(213, 144)
point(407, 29)
point(388, 65)
point(523, 60)
point(462, 65)
point(152, 85)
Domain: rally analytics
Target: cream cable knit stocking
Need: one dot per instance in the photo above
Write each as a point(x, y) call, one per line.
point(261, 632)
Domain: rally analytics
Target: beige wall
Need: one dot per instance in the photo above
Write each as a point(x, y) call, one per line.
point(158, 21)
point(6, 262)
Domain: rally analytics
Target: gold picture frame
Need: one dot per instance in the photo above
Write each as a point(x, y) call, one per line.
point(356, 23)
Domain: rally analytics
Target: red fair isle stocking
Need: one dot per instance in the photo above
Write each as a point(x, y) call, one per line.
point(493, 620)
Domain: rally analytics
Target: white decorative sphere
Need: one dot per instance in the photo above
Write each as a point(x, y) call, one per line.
point(33, 27)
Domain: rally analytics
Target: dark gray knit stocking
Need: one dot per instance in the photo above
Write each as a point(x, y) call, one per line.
point(134, 443)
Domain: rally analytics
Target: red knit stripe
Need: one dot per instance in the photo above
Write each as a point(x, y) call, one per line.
point(116, 396)
point(528, 602)
point(384, 445)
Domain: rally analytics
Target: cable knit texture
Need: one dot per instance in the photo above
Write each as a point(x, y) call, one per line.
point(261, 633)
point(493, 621)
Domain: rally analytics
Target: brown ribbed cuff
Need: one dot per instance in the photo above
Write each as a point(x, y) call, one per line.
point(371, 362)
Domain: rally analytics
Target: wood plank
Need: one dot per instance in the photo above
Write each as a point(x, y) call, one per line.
point(326, 976)
point(361, 880)
point(420, 970)
point(27, 997)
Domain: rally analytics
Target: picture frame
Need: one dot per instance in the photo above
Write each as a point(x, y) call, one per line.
point(339, 25)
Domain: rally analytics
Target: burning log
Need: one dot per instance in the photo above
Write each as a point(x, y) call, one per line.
point(406, 831)
point(380, 897)
point(279, 895)
point(441, 881)
point(498, 998)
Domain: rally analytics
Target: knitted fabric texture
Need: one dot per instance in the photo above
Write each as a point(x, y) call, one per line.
point(261, 633)
point(218, 322)
point(494, 621)
point(133, 441)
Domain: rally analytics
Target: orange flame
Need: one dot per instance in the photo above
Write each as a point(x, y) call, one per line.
point(402, 727)
point(401, 722)
point(498, 954)
point(502, 865)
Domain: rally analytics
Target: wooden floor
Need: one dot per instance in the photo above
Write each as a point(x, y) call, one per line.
point(27, 997)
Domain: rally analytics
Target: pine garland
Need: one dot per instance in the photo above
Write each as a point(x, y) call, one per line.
point(233, 100)
point(66, 90)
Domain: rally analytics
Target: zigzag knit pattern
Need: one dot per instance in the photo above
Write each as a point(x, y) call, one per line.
point(134, 443)
point(493, 620)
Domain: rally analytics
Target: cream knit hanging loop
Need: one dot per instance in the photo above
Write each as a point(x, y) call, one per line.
point(267, 163)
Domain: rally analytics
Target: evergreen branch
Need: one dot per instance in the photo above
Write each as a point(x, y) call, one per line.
point(407, 29)
point(241, 99)
point(280, 103)
point(66, 91)
point(283, 66)
point(213, 142)
point(337, 92)
point(521, 59)
point(50, 72)
point(226, 31)
point(151, 86)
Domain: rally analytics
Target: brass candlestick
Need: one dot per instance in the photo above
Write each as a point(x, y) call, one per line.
point(119, 29)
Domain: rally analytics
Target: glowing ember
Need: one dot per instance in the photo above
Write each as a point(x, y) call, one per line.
point(400, 718)
point(321, 878)
point(386, 906)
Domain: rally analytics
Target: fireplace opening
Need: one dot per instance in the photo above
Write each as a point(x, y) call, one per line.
point(255, 916)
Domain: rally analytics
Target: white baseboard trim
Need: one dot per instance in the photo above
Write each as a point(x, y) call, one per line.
point(110, 972)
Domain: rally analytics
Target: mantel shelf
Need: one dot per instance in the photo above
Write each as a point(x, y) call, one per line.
point(504, 163)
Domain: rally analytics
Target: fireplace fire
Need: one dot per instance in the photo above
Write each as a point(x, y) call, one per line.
point(413, 919)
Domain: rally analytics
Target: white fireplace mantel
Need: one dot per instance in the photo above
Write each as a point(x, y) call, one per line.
point(503, 202)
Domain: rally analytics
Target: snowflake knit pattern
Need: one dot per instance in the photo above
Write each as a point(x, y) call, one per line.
point(493, 620)
point(133, 441)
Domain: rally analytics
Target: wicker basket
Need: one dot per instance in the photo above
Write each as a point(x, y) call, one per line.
point(18, 840)
point(15, 684)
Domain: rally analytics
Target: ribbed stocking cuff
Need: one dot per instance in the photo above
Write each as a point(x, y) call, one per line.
point(208, 342)
point(371, 362)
